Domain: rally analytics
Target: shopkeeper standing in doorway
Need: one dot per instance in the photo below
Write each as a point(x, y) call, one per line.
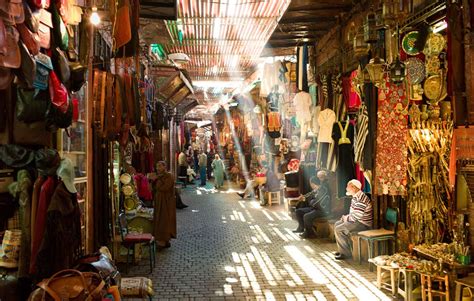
point(164, 218)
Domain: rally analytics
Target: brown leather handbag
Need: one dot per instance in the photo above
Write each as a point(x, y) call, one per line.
point(10, 56)
point(31, 40)
point(122, 29)
point(70, 285)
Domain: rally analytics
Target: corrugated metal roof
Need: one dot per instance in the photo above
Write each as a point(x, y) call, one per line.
point(223, 38)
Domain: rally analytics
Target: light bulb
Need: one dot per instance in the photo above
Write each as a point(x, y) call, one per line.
point(94, 18)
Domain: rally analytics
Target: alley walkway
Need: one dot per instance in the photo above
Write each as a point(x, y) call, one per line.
point(233, 249)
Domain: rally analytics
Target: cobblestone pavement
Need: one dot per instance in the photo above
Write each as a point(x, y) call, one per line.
point(233, 249)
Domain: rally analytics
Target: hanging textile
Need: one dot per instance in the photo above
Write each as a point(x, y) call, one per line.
point(391, 149)
point(343, 135)
point(370, 92)
point(302, 71)
point(362, 131)
point(326, 121)
point(351, 98)
point(273, 79)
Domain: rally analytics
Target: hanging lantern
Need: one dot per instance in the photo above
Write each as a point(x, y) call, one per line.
point(360, 47)
point(370, 29)
point(376, 69)
point(390, 11)
point(398, 71)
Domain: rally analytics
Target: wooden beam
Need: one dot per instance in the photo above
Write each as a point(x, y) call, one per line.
point(307, 20)
point(159, 4)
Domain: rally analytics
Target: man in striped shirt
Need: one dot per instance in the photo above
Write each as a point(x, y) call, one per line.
point(360, 218)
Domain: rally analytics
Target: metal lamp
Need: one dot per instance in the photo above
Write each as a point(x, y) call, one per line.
point(370, 29)
point(398, 71)
point(376, 69)
point(359, 45)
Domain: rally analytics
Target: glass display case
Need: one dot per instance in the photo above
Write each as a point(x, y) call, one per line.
point(72, 144)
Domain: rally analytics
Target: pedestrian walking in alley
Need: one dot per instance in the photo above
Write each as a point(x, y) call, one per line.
point(182, 164)
point(202, 167)
point(218, 168)
point(164, 218)
point(360, 218)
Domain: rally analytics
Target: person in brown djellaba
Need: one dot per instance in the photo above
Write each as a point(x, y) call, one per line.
point(165, 206)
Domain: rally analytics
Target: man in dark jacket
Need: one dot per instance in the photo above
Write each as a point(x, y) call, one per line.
point(316, 204)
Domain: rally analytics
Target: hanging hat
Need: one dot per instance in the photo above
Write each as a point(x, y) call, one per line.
point(16, 156)
point(10, 249)
point(47, 161)
point(66, 173)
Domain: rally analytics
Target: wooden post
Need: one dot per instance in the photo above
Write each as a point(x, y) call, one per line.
point(89, 218)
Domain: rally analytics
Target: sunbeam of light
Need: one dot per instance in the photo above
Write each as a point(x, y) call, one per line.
point(306, 265)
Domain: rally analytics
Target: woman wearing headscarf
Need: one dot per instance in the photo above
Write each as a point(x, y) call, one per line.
point(218, 168)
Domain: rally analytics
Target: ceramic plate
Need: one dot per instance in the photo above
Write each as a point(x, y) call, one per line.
point(432, 65)
point(415, 70)
point(127, 190)
point(408, 43)
point(434, 44)
point(432, 89)
point(125, 178)
point(130, 203)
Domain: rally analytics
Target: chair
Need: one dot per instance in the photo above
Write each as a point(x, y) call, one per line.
point(463, 284)
point(129, 240)
point(380, 235)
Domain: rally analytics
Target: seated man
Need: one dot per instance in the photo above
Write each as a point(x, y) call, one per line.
point(316, 204)
point(360, 218)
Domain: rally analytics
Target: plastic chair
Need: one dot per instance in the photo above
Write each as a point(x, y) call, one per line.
point(380, 235)
point(129, 240)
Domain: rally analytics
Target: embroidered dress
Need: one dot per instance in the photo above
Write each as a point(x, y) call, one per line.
point(343, 135)
point(392, 129)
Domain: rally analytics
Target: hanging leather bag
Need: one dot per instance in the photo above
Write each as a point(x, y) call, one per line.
point(56, 119)
point(78, 76)
point(32, 17)
point(60, 34)
point(71, 285)
point(27, 72)
point(12, 11)
point(61, 65)
point(44, 30)
point(31, 107)
point(58, 92)
point(122, 29)
point(30, 39)
point(10, 56)
point(43, 67)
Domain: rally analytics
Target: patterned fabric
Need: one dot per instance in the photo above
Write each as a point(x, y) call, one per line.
point(392, 124)
point(362, 131)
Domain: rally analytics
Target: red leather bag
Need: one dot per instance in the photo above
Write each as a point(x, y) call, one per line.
point(58, 92)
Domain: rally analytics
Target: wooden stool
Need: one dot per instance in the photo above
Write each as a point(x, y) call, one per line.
point(461, 284)
point(273, 196)
point(331, 234)
point(290, 204)
point(405, 284)
point(321, 227)
point(427, 283)
point(382, 272)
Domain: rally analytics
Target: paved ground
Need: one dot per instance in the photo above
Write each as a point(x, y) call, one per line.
point(233, 249)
